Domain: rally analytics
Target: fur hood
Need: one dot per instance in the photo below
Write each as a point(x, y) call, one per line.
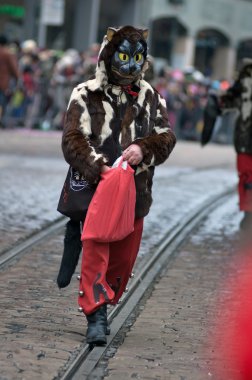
point(110, 42)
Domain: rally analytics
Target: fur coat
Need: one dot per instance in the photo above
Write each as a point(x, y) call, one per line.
point(239, 97)
point(102, 120)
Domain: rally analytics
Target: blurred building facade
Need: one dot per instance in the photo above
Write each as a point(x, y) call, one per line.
point(211, 35)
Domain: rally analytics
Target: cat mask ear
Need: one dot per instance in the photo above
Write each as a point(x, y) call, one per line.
point(110, 33)
point(145, 33)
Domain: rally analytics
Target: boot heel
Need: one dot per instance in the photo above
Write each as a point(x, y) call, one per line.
point(97, 327)
point(97, 340)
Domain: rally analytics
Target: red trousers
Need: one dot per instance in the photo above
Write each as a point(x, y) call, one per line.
point(106, 268)
point(244, 167)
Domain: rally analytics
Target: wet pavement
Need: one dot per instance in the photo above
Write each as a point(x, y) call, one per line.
point(40, 328)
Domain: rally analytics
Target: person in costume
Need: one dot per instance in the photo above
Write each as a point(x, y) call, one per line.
point(237, 97)
point(115, 113)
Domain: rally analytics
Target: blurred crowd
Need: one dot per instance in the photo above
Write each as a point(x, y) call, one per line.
point(186, 93)
point(39, 96)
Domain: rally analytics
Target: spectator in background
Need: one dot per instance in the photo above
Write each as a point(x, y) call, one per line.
point(8, 71)
point(90, 59)
point(31, 76)
point(67, 74)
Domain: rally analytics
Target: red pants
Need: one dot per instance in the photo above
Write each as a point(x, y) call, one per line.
point(106, 268)
point(244, 167)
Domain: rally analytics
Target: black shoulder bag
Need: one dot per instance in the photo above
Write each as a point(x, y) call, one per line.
point(75, 196)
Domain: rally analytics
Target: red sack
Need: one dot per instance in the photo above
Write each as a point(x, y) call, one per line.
point(111, 213)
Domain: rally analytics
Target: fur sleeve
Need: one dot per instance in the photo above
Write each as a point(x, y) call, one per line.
point(76, 147)
point(157, 147)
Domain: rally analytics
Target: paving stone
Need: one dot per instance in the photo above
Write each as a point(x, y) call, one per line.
point(170, 340)
point(40, 328)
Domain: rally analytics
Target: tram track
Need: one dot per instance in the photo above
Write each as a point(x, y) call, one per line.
point(88, 358)
point(42, 333)
point(30, 295)
point(84, 360)
point(22, 247)
point(18, 245)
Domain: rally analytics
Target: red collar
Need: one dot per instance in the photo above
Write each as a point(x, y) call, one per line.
point(129, 90)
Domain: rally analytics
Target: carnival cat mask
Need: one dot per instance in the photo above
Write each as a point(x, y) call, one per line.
point(127, 62)
point(127, 54)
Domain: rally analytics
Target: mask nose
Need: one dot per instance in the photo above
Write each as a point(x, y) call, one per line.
point(134, 67)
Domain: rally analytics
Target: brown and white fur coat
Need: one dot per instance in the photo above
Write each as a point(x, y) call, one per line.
point(102, 120)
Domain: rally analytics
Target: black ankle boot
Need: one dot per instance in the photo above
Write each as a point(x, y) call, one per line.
point(97, 327)
point(72, 249)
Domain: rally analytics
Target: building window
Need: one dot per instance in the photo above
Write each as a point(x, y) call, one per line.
point(208, 41)
point(165, 32)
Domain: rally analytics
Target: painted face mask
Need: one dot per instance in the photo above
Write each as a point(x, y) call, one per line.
point(127, 62)
point(124, 55)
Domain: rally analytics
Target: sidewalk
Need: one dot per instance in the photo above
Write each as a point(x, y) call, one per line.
point(31, 142)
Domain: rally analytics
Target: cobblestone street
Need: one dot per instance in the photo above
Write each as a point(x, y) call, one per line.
point(169, 332)
point(33, 171)
point(170, 338)
point(134, 120)
point(31, 177)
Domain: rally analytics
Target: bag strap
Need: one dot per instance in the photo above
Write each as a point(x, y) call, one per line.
point(120, 162)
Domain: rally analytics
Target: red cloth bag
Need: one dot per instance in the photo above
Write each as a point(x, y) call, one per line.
point(111, 213)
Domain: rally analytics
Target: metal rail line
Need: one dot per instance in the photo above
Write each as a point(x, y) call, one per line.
point(87, 359)
point(28, 243)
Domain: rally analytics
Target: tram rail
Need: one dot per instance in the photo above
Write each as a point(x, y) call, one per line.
point(88, 358)
point(22, 247)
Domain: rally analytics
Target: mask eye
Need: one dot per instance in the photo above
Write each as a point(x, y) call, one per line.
point(138, 57)
point(123, 57)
